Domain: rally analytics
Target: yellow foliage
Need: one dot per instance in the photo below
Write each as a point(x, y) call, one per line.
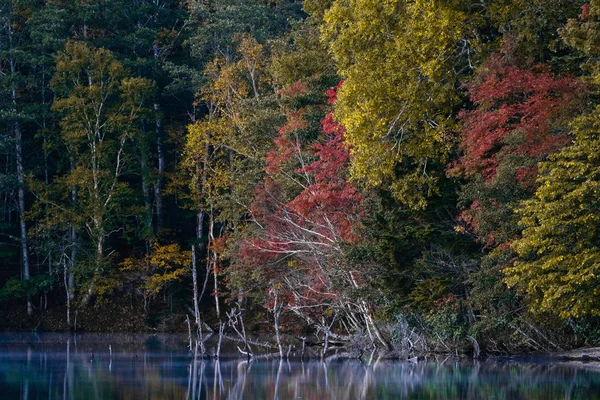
point(206, 155)
point(220, 155)
point(558, 254)
point(164, 265)
point(397, 60)
point(559, 257)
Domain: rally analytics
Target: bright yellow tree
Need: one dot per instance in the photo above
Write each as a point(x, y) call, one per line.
point(400, 61)
point(559, 255)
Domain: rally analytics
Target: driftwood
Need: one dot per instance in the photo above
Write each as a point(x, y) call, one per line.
point(236, 321)
point(259, 356)
point(265, 345)
point(205, 326)
point(347, 355)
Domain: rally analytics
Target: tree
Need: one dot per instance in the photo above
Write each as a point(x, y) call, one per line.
point(306, 213)
point(100, 106)
point(152, 32)
point(520, 115)
point(154, 272)
point(400, 61)
point(535, 25)
point(218, 148)
point(520, 118)
point(558, 254)
point(14, 64)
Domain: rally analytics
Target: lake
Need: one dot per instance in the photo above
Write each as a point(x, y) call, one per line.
point(82, 366)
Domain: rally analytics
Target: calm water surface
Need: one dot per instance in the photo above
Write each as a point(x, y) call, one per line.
point(53, 366)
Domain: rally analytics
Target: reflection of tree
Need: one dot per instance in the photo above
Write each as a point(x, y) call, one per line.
point(387, 380)
point(132, 372)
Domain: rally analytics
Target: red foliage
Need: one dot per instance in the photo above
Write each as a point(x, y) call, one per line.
point(520, 112)
point(218, 244)
point(284, 145)
point(300, 236)
point(511, 99)
point(468, 216)
point(332, 93)
point(331, 198)
point(295, 89)
point(585, 12)
point(329, 203)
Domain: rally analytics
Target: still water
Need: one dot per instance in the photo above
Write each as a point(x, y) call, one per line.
point(58, 366)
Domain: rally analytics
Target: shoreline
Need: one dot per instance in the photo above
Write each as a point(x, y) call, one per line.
point(588, 357)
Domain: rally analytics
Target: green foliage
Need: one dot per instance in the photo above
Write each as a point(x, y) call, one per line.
point(446, 324)
point(534, 23)
point(299, 55)
point(17, 289)
point(499, 309)
point(218, 22)
point(581, 34)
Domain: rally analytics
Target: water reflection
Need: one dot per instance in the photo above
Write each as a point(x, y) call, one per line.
point(135, 367)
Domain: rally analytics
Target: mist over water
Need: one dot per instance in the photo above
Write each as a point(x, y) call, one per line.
point(83, 366)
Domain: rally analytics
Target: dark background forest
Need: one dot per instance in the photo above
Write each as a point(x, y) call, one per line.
point(377, 172)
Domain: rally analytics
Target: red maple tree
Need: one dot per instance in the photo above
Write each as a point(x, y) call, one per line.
point(510, 99)
point(301, 242)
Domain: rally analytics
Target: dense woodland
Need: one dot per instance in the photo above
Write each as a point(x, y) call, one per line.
point(398, 174)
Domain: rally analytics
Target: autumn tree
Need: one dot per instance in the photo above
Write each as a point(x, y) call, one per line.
point(156, 271)
point(558, 257)
point(232, 117)
point(306, 213)
point(100, 106)
point(557, 254)
point(400, 62)
point(521, 117)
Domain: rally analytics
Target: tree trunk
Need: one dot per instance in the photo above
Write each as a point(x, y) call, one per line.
point(22, 222)
point(195, 284)
point(161, 168)
point(276, 313)
point(100, 237)
point(145, 193)
point(159, 153)
point(70, 275)
point(20, 171)
point(213, 260)
point(66, 281)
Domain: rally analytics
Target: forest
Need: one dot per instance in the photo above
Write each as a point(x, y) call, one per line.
point(406, 175)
